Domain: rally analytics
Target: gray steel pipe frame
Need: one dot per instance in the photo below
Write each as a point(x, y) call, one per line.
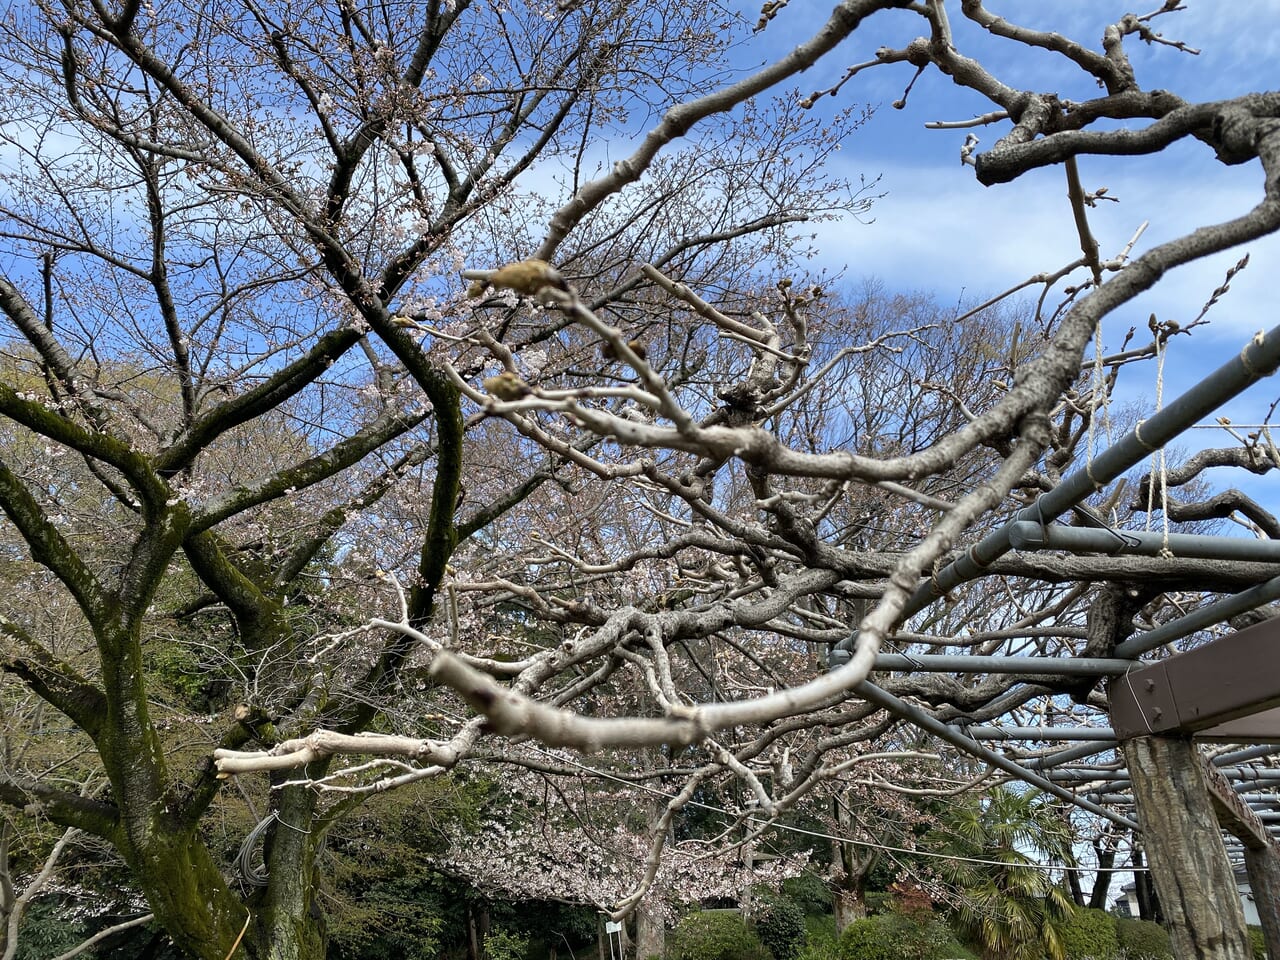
point(1247, 775)
point(1098, 770)
point(883, 698)
point(1256, 795)
point(1248, 753)
point(1031, 535)
point(1205, 616)
point(1071, 753)
point(1239, 776)
point(960, 663)
point(1259, 358)
point(1039, 733)
point(1119, 799)
point(1088, 776)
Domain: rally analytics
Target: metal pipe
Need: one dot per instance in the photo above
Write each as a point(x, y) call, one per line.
point(1260, 802)
point(1201, 618)
point(960, 663)
point(1097, 771)
point(1247, 774)
point(1248, 753)
point(1119, 799)
point(1072, 753)
point(1030, 535)
point(1259, 358)
point(1040, 733)
point(883, 698)
point(1084, 776)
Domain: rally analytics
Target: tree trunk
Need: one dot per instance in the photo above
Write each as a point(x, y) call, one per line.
point(1189, 864)
point(1102, 880)
point(650, 932)
point(192, 901)
point(850, 903)
point(852, 864)
point(170, 862)
point(1148, 902)
point(1264, 878)
point(482, 931)
point(289, 919)
point(1073, 885)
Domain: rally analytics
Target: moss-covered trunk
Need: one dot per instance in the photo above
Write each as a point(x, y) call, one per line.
point(290, 918)
point(172, 865)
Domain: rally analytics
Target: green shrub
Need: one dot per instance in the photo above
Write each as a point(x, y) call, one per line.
point(810, 891)
point(820, 929)
point(819, 938)
point(818, 950)
point(50, 927)
point(780, 926)
point(504, 945)
point(877, 900)
point(1090, 935)
point(1258, 942)
point(893, 936)
point(866, 940)
point(714, 935)
point(1142, 940)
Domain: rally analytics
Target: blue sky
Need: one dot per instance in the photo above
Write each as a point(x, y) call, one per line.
point(938, 231)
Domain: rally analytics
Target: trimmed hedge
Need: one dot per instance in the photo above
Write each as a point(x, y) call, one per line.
point(1090, 935)
point(779, 924)
point(1142, 939)
point(893, 936)
point(714, 935)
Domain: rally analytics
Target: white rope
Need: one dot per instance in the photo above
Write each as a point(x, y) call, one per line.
point(1095, 385)
point(1158, 461)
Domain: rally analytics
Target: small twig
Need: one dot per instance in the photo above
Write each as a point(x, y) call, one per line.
point(995, 116)
point(1088, 245)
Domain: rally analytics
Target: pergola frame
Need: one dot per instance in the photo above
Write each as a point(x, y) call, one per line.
point(1227, 690)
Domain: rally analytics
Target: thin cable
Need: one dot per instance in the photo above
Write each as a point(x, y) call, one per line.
point(252, 874)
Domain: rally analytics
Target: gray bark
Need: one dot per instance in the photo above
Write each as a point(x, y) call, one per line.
point(849, 905)
point(650, 932)
point(1264, 878)
point(1189, 865)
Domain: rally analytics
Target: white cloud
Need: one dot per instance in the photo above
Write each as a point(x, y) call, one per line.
point(939, 231)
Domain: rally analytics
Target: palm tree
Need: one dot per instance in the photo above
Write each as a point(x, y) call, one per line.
point(1009, 906)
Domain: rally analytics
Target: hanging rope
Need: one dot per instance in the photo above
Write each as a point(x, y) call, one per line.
point(1099, 399)
point(1158, 458)
point(1095, 385)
